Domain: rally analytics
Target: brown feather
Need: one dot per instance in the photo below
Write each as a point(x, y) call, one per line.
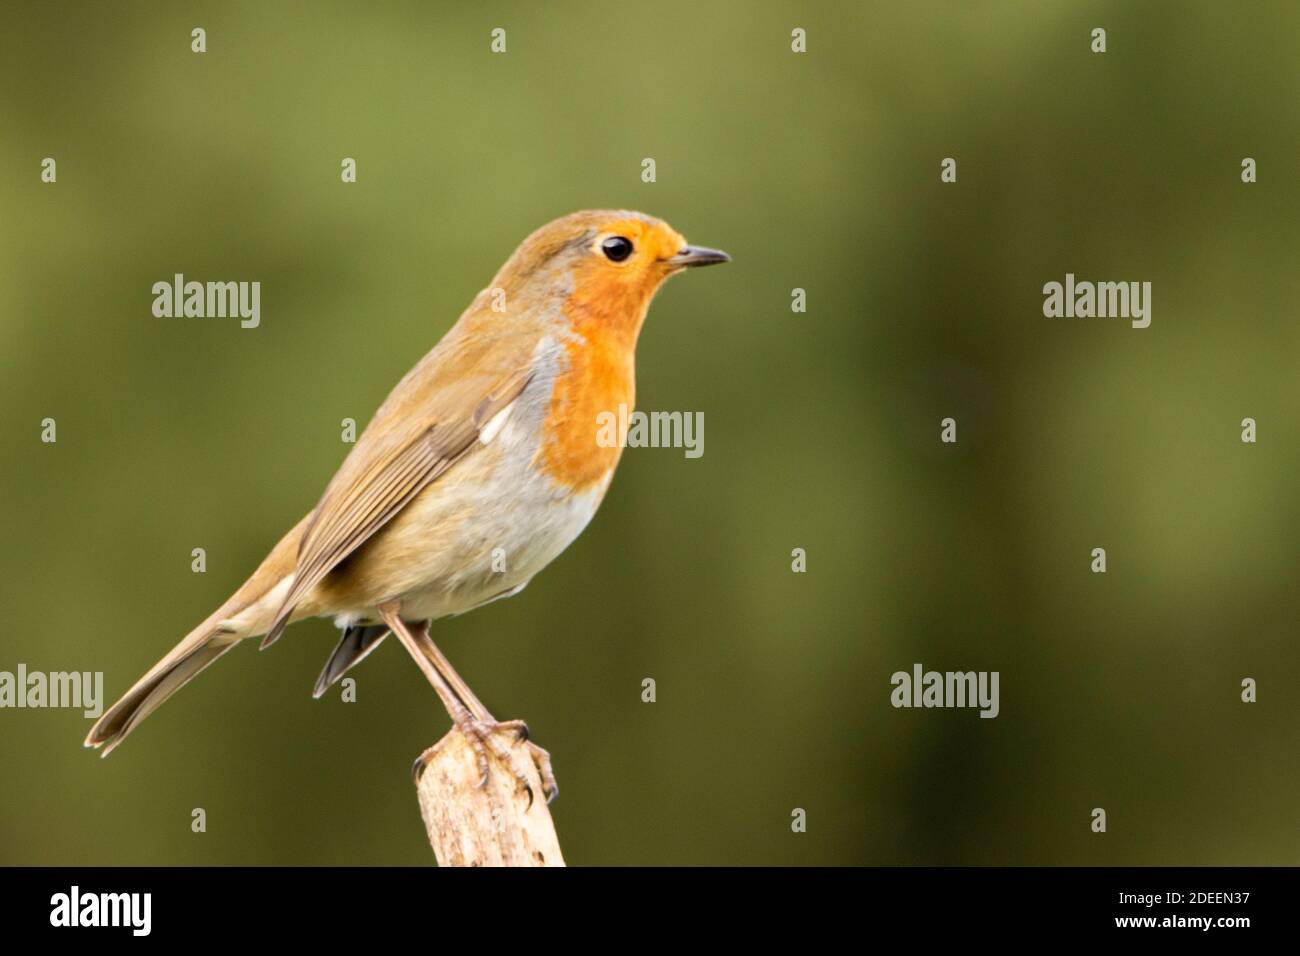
point(203, 645)
point(423, 428)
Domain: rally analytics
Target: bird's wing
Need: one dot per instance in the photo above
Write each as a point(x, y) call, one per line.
point(430, 421)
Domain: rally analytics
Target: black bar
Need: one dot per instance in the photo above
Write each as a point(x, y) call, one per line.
point(233, 905)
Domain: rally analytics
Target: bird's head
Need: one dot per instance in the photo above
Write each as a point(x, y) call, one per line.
point(605, 264)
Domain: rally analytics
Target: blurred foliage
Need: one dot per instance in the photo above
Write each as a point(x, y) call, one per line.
point(818, 171)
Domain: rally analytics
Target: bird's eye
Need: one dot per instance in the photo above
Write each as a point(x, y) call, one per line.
point(616, 248)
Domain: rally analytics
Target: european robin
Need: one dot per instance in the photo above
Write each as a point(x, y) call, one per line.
point(489, 442)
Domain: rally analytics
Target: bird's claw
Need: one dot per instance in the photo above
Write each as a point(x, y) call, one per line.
point(483, 736)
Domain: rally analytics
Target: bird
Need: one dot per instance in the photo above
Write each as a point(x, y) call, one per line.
point(487, 447)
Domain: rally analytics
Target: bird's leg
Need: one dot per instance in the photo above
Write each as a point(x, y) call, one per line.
point(460, 714)
point(467, 712)
point(439, 661)
point(541, 758)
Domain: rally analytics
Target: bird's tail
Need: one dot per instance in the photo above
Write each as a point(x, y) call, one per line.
point(181, 665)
point(247, 614)
point(353, 647)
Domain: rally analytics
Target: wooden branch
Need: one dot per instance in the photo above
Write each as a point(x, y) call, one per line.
point(492, 825)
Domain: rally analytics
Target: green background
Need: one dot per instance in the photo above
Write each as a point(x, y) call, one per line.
point(818, 171)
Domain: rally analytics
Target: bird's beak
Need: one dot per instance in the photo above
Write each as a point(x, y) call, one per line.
point(697, 256)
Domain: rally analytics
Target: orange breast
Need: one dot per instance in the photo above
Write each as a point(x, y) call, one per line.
point(605, 315)
point(599, 379)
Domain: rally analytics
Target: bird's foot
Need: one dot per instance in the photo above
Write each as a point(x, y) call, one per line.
point(541, 758)
point(485, 738)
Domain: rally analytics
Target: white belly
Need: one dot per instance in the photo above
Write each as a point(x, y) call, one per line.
point(502, 554)
point(491, 524)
